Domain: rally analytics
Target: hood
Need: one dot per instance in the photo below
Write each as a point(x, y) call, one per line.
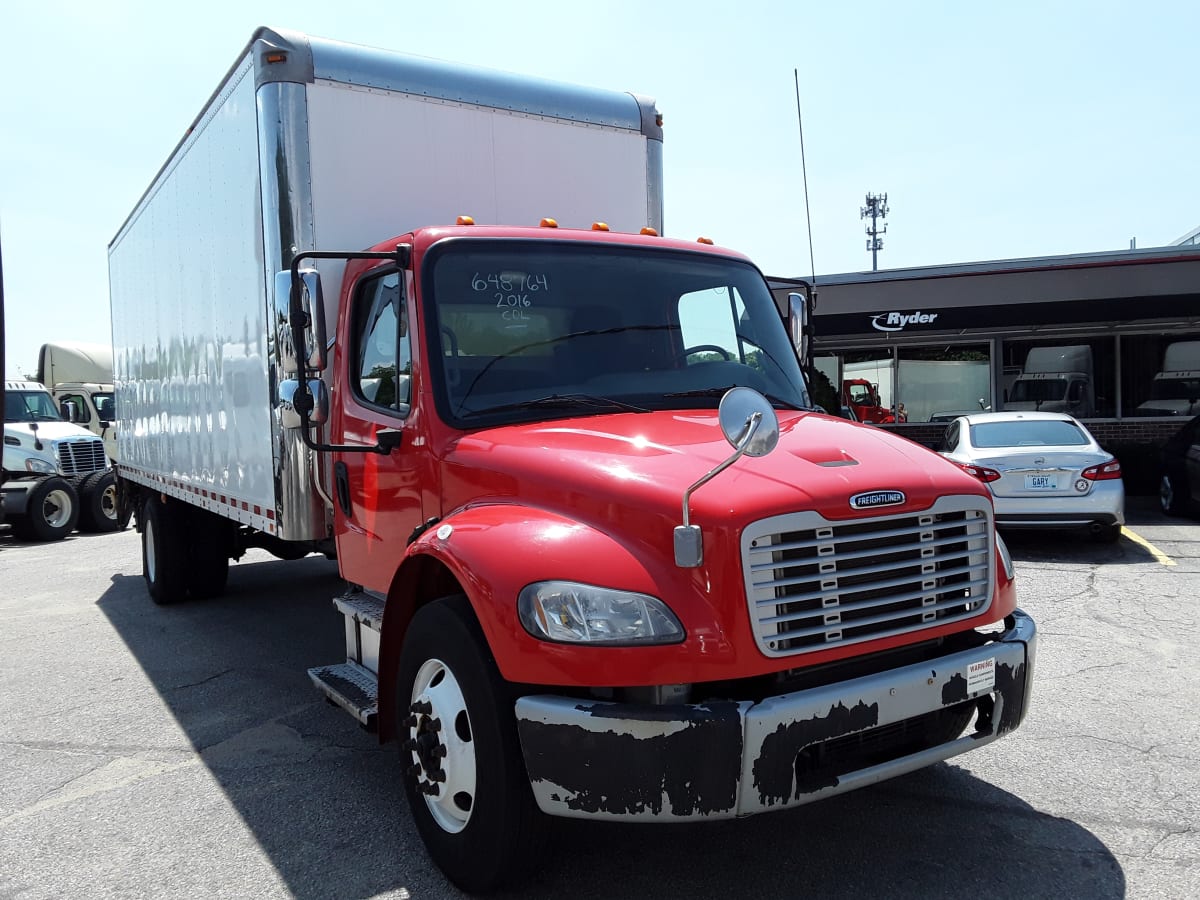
point(46, 431)
point(604, 468)
point(1173, 407)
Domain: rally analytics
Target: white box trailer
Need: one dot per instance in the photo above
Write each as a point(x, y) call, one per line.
point(312, 143)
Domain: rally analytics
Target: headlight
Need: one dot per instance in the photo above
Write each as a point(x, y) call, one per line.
point(569, 612)
point(33, 464)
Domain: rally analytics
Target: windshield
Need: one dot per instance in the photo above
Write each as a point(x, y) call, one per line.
point(29, 406)
point(1175, 389)
point(532, 329)
point(1039, 391)
point(1024, 433)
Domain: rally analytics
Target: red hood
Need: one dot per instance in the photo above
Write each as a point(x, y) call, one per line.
point(598, 468)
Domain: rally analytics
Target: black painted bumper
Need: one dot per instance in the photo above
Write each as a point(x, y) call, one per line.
point(727, 759)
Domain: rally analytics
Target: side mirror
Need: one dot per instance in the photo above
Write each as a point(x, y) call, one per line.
point(799, 325)
point(317, 394)
point(312, 306)
point(69, 410)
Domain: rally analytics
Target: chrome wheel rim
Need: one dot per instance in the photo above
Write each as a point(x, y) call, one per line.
point(56, 508)
point(441, 746)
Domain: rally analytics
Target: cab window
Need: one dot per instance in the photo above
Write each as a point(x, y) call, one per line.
point(382, 362)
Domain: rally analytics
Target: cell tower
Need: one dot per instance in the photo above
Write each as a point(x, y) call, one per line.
point(875, 209)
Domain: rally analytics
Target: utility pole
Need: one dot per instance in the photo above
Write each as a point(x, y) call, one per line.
point(875, 209)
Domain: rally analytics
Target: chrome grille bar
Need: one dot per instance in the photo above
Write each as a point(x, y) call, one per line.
point(813, 582)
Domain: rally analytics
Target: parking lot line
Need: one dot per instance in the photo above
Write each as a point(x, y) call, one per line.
point(1149, 547)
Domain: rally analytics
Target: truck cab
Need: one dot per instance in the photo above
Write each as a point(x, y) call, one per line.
point(56, 474)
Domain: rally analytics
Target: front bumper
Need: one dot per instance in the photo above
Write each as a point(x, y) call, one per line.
point(735, 758)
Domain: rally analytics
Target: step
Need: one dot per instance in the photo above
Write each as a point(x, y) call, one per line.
point(351, 687)
point(364, 622)
point(366, 609)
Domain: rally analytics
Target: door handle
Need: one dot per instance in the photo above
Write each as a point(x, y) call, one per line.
point(341, 486)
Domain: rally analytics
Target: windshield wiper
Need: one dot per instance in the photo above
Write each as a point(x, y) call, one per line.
point(589, 402)
point(720, 392)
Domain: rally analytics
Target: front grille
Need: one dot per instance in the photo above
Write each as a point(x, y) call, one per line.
point(81, 457)
point(813, 583)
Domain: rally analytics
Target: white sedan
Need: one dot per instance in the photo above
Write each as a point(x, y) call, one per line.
point(1044, 470)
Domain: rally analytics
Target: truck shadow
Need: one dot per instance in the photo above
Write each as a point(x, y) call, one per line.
point(323, 800)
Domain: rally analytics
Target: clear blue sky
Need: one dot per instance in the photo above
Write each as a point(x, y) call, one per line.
point(997, 130)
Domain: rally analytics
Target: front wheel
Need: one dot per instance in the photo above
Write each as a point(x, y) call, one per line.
point(464, 775)
point(51, 511)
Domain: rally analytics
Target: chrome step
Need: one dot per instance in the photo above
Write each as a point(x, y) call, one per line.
point(364, 622)
point(351, 687)
point(364, 608)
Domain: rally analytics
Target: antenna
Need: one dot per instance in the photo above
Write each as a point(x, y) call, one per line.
point(876, 208)
point(804, 172)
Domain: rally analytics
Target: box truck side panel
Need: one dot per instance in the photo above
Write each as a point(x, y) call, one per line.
point(189, 309)
point(385, 162)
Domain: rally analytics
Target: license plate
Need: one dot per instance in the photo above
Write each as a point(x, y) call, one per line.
point(1040, 483)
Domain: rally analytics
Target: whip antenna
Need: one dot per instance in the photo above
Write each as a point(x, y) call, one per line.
point(804, 172)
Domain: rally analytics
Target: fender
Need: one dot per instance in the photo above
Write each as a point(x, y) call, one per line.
point(493, 551)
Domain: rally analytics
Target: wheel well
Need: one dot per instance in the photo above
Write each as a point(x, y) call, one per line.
point(420, 581)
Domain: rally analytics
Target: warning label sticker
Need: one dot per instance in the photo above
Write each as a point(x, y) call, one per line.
point(981, 676)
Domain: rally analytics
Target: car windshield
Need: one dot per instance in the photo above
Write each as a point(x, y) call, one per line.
point(536, 329)
point(1025, 433)
point(29, 406)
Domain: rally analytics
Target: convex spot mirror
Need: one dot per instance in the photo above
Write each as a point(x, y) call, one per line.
point(737, 413)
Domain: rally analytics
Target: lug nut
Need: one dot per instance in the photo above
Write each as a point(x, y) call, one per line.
point(414, 771)
point(438, 752)
point(410, 745)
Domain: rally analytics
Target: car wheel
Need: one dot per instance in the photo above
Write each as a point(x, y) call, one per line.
point(98, 503)
point(51, 511)
point(1173, 494)
point(463, 771)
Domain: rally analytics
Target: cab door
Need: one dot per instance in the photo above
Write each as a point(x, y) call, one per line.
point(377, 497)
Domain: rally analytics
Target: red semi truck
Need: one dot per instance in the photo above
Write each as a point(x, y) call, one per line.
point(602, 558)
point(863, 397)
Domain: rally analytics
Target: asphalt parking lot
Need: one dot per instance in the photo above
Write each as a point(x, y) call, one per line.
point(181, 752)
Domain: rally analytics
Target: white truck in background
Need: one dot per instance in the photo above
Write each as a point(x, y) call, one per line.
point(79, 376)
point(1175, 391)
point(56, 474)
point(1056, 379)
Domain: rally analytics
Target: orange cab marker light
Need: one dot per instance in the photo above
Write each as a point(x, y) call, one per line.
point(599, 226)
point(649, 231)
point(549, 223)
point(464, 220)
point(277, 57)
point(658, 120)
point(704, 240)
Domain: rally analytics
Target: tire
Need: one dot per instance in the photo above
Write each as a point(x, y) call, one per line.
point(98, 503)
point(1173, 494)
point(463, 771)
point(51, 511)
point(209, 552)
point(1107, 534)
point(164, 552)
